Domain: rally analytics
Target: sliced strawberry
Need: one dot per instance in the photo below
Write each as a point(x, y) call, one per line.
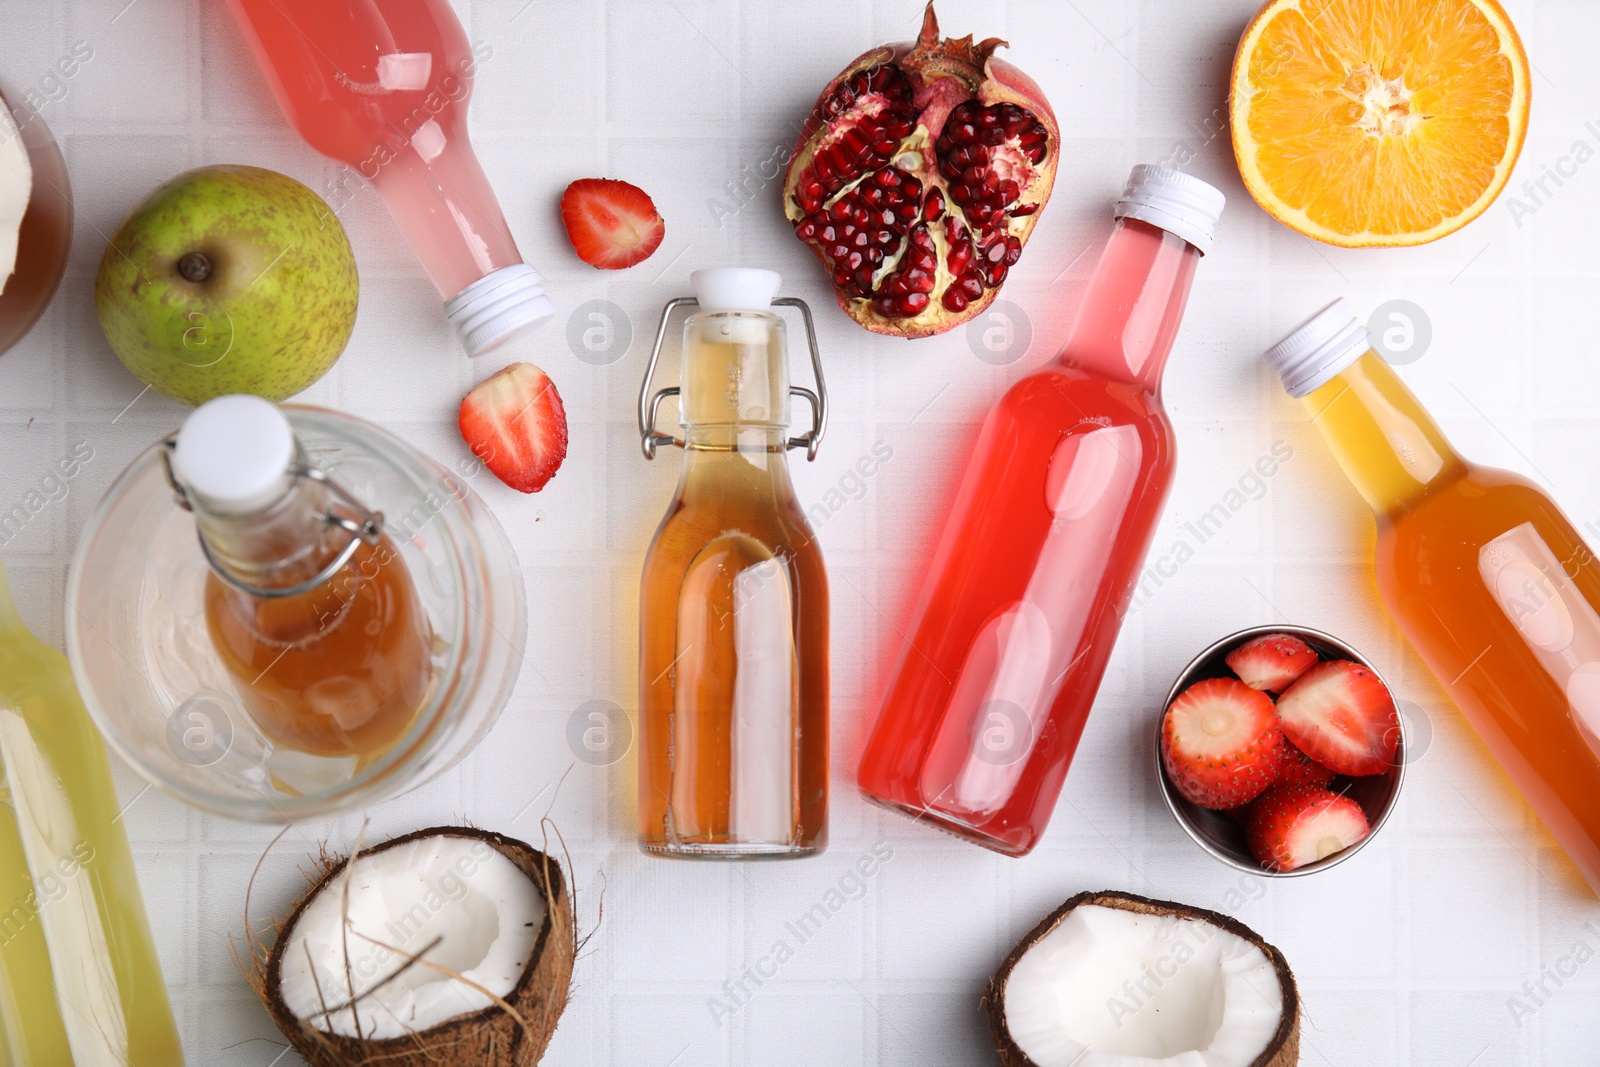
point(611, 224)
point(1271, 661)
point(1293, 825)
point(515, 424)
point(1340, 715)
point(1220, 743)
point(1297, 768)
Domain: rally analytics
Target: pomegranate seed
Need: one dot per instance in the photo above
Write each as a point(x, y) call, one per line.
point(806, 229)
point(913, 303)
point(971, 287)
point(1013, 251)
point(888, 177)
point(995, 252)
point(933, 208)
point(919, 281)
point(954, 300)
point(1023, 210)
point(1007, 191)
point(907, 211)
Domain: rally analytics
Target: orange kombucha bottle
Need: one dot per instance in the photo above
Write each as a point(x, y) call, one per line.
point(1484, 574)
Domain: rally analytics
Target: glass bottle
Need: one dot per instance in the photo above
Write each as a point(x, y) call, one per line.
point(80, 982)
point(311, 608)
point(1026, 589)
point(45, 235)
point(1487, 579)
point(382, 87)
point(217, 679)
point(733, 606)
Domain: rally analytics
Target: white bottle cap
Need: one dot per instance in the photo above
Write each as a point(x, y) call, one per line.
point(234, 453)
point(498, 306)
point(1176, 202)
point(734, 288)
point(1318, 348)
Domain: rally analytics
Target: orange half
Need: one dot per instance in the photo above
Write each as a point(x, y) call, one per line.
point(1378, 122)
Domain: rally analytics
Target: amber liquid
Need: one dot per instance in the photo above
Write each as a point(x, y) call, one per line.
point(1493, 586)
point(46, 232)
point(733, 666)
point(341, 670)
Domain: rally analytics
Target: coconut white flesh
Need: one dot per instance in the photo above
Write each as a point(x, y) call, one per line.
point(16, 187)
point(1114, 988)
point(485, 912)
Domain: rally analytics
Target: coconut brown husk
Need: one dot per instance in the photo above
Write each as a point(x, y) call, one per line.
point(510, 1033)
point(1282, 1051)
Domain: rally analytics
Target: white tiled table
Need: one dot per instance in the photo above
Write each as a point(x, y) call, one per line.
point(1407, 954)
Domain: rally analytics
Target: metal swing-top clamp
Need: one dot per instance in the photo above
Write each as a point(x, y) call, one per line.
point(650, 437)
point(367, 530)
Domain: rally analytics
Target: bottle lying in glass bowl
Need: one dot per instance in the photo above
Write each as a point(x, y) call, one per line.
point(285, 612)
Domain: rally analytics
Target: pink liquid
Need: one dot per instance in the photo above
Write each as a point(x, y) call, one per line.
point(382, 86)
point(1009, 640)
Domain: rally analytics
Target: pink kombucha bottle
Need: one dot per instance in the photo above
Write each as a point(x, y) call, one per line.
point(1026, 590)
point(382, 86)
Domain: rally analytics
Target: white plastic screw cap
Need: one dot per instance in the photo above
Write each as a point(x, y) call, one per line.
point(1320, 347)
point(1177, 202)
point(497, 307)
point(234, 453)
point(735, 288)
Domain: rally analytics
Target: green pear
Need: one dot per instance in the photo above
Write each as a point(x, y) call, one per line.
point(228, 279)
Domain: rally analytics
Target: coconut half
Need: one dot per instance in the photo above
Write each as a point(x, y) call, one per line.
point(16, 189)
point(1115, 980)
point(447, 945)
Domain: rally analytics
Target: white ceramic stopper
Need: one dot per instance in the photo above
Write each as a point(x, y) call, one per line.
point(234, 453)
point(735, 288)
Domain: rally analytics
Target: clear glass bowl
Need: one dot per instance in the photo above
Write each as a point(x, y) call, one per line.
point(143, 659)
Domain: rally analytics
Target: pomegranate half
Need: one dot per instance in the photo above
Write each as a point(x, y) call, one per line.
point(919, 176)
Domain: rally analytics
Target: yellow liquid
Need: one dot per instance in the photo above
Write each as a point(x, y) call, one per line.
point(78, 969)
point(1493, 586)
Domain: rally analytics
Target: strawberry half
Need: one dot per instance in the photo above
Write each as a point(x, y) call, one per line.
point(1340, 715)
point(1271, 661)
point(515, 424)
point(611, 224)
point(1293, 825)
point(1297, 768)
point(1220, 743)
